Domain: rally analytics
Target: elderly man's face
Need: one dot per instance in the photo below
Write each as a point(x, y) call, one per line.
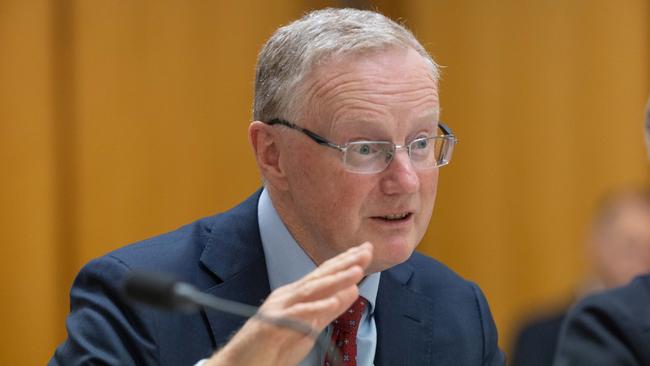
point(622, 247)
point(382, 96)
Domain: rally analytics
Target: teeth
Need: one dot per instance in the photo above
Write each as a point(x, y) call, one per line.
point(395, 217)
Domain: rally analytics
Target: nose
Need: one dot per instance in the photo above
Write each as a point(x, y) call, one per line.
point(400, 177)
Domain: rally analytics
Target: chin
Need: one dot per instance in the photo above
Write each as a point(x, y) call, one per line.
point(390, 254)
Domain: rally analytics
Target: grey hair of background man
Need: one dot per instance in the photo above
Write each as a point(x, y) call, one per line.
point(294, 50)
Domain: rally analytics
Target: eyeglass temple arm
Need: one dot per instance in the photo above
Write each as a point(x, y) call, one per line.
point(445, 130)
point(317, 138)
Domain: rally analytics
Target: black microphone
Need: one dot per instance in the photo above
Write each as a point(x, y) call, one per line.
point(163, 291)
point(156, 289)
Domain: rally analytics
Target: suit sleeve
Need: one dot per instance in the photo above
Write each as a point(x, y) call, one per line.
point(102, 328)
point(492, 355)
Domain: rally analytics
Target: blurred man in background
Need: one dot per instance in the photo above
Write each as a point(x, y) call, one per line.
point(618, 246)
point(613, 327)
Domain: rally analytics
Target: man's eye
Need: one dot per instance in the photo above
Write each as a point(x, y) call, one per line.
point(365, 149)
point(421, 144)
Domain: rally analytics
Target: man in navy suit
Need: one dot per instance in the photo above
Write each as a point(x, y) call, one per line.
point(347, 137)
point(618, 246)
point(613, 327)
point(609, 328)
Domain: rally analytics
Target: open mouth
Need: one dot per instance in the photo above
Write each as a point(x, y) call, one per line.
point(395, 218)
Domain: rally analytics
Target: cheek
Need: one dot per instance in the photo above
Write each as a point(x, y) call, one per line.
point(345, 206)
point(429, 185)
point(348, 192)
point(321, 186)
point(305, 166)
point(428, 188)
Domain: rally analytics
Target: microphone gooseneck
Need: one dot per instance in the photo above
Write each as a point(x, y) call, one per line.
point(164, 291)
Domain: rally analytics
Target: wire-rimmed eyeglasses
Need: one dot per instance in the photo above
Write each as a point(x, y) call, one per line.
point(369, 157)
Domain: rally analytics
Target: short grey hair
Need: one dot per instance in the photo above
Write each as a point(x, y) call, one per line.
point(294, 50)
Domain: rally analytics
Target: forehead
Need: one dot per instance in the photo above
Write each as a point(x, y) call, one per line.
point(395, 84)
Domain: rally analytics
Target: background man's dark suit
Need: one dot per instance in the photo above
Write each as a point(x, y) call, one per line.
point(609, 328)
point(425, 313)
point(536, 343)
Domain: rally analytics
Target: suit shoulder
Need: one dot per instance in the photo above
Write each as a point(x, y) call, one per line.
point(608, 328)
point(179, 252)
point(626, 304)
point(168, 249)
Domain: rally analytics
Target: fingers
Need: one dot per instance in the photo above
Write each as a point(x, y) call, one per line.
point(326, 292)
point(343, 271)
point(322, 312)
point(327, 286)
point(314, 300)
point(334, 275)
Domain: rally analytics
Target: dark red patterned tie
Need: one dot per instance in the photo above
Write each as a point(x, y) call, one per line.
point(344, 335)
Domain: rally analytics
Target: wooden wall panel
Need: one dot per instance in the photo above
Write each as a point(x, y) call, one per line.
point(163, 101)
point(28, 251)
point(122, 120)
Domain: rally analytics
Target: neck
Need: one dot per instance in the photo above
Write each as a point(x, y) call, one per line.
point(285, 207)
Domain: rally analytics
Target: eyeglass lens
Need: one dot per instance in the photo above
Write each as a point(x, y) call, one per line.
point(371, 157)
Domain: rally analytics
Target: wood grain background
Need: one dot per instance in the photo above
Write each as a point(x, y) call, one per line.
point(120, 120)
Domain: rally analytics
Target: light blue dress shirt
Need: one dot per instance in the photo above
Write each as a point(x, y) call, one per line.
point(286, 262)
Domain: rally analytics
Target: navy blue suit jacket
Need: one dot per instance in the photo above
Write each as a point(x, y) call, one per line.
point(609, 328)
point(536, 342)
point(425, 314)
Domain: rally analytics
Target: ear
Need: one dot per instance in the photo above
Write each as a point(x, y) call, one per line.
point(265, 142)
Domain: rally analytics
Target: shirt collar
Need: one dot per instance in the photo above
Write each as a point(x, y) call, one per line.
point(286, 261)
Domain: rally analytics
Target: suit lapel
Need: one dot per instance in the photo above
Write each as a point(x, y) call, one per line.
point(251, 286)
point(235, 256)
point(403, 321)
